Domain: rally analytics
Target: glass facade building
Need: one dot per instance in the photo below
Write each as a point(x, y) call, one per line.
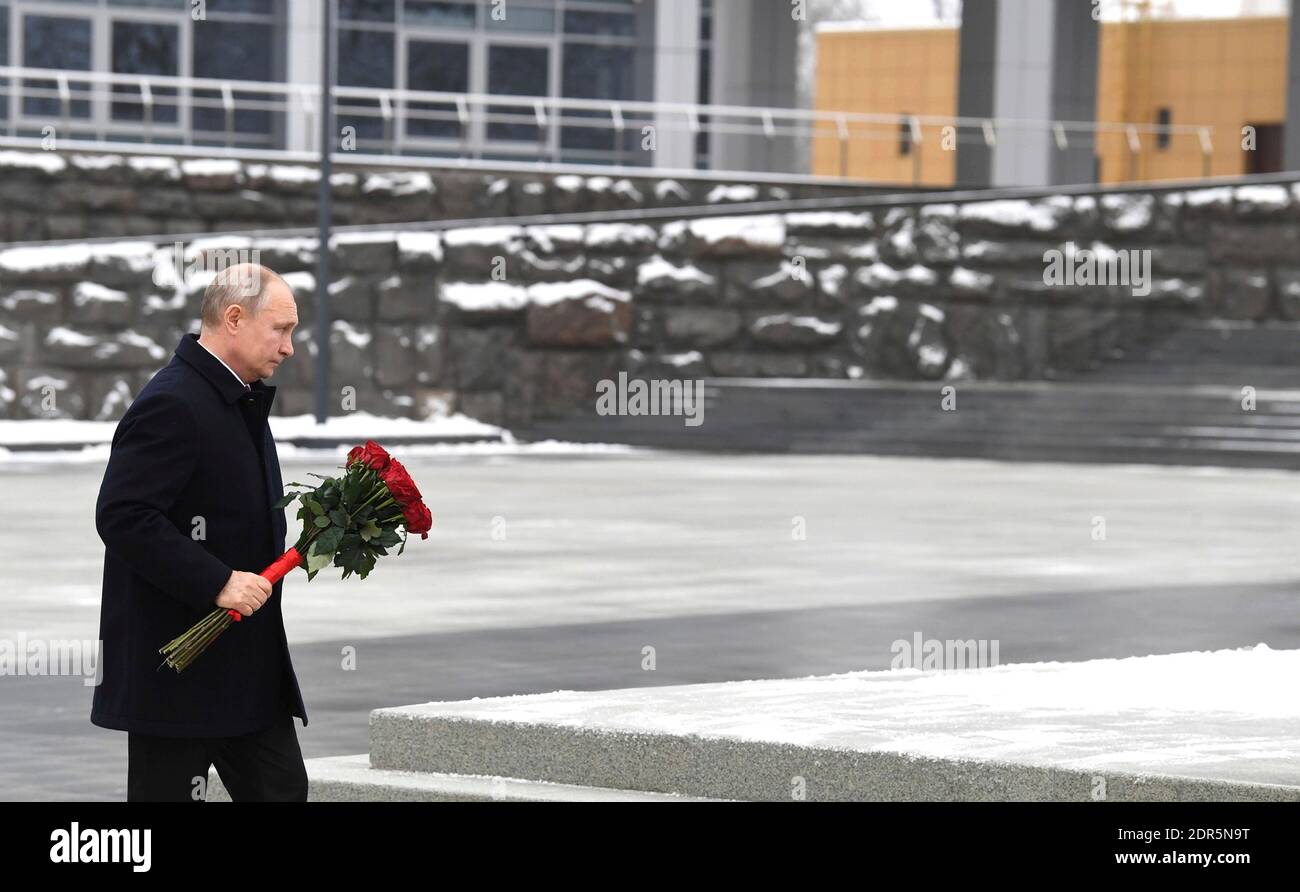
point(546, 48)
point(235, 39)
point(601, 51)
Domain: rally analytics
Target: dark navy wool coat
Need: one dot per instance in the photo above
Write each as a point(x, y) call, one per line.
point(186, 499)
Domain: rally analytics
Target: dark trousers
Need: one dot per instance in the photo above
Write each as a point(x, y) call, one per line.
point(265, 766)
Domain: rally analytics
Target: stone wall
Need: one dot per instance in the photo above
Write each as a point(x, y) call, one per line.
point(511, 324)
point(52, 196)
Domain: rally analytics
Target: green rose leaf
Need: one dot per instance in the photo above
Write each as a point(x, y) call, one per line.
point(352, 489)
point(340, 517)
point(385, 539)
point(317, 562)
point(284, 501)
point(328, 541)
point(322, 521)
point(367, 562)
point(329, 498)
point(349, 554)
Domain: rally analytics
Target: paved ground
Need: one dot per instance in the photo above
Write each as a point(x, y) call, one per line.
point(694, 556)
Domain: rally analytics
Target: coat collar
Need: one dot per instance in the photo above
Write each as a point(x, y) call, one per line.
point(192, 352)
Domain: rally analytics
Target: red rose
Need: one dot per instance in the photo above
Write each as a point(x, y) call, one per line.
point(372, 454)
point(400, 485)
point(418, 519)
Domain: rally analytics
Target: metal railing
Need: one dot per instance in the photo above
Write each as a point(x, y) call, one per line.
point(96, 106)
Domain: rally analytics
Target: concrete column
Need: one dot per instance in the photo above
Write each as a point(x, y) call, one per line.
point(676, 77)
point(977, 48)
point(303, 40)
point(1291, 129)
point(755, 48)
point(1029, 59)
point(1077, 39)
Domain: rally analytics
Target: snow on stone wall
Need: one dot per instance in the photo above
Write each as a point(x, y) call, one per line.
point(47, 196)
point(510, 323)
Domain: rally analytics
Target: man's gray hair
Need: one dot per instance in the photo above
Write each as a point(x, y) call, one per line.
point(245, 284)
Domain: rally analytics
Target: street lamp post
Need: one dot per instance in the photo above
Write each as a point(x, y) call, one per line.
point(324, 212)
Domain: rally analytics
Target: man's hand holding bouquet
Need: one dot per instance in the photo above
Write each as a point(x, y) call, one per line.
point(349, 521)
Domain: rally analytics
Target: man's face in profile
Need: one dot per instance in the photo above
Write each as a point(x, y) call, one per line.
point(266, 339)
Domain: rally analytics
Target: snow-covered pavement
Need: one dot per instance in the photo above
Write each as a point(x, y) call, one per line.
point(553, 568)
point(19, 438)
point(546, 538)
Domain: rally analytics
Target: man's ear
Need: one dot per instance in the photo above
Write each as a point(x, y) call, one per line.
point(232, 318)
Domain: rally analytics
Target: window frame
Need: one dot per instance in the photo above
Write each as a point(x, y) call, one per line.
point(474, 142)
point(102, 15)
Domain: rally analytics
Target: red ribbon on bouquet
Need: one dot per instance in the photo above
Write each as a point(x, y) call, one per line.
point(278, 569)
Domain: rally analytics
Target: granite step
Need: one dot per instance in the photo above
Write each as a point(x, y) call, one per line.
point(351, 779)
point(1177, 727)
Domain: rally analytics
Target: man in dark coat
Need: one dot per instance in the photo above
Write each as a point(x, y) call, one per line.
point(186, 518)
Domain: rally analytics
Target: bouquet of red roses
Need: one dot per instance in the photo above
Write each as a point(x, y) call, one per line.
point(347, 521)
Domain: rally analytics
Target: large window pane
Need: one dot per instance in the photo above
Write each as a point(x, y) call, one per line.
point(218, 7)
point(598, 72)
point(234, 51)
point(153, 4)
point(367, 10)
point(437, 66)
point(55, 42)
point(440, 14)
point(703, 138)
point(595, 72)
point(617, 24)
point(258, 7)
point(513, 17)
point(145, 48)
point(365, 59)
point(4, 60)
point(517, 71)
